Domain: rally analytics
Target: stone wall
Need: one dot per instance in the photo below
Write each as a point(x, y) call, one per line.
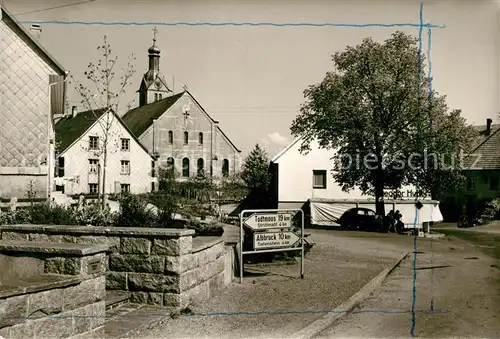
point(155, 266)
point(51, 290)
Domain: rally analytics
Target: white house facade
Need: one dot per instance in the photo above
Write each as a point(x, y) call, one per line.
point(306, 178)
point(130, 168)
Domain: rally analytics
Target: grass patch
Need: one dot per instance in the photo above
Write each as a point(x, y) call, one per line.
point(487, 243)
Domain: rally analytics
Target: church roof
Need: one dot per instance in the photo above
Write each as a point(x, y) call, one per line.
point(140, 118)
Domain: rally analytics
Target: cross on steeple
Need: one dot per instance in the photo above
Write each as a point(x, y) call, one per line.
point(154, 33)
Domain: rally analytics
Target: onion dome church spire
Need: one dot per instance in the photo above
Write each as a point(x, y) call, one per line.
point(153, 85)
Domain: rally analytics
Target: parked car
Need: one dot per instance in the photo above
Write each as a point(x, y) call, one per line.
point(361, 218)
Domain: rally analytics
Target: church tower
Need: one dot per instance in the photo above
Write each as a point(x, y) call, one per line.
point(153, 85)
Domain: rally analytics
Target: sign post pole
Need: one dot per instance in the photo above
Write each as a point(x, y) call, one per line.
point(272, 233)
point(241, 247)
point(302, 245)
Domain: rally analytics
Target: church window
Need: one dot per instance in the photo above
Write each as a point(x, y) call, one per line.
point(201, 169)
point(160, 96)
point(185, 168)
point(225, 168)
point(186, 138)
point(200, 138)
point(156, 96)
point(170, 137)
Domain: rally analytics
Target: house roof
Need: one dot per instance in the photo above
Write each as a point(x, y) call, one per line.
point(485, 154)
point(70, 129)
point(284, 150)
point(25, 34)
point(139, 119)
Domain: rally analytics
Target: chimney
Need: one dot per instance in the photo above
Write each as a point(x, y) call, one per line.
point(36, 30)
point(73, 111)
point(488, 126)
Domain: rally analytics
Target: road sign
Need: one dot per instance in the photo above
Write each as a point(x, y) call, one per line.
point(274, 239)
point(269, 221)
point(265, 241)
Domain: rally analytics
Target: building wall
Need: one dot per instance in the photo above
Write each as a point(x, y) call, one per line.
point(155, 139)
point(24, 109)
point(295, 177)
point(481, 188)
point(227, 151)
point(76, 163)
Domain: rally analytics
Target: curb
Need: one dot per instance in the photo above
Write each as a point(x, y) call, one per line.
point(346, 307)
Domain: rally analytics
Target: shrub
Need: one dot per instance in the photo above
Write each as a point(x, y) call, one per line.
point(167, 205)
point(134, 212)
point(92, 214)
point(205, 229)
point(20, 216)
point(493, 208)
point(46, 214)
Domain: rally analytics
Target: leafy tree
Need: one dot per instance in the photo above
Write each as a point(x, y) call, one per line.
point(255, 171)
point(377, 111)
point(100, 95)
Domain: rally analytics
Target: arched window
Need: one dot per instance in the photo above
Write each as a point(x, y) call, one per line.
point(160, 96)
point(186, 138)
point(170, 164)
point(200, 138)
point(170, 137)
point(156, 96)
point(225, 168)
point(201, 167)
point(185, 168)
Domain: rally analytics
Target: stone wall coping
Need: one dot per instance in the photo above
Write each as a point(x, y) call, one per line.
point(202, 243)
point(51, 248)
point(98, 230)
point(43, 282)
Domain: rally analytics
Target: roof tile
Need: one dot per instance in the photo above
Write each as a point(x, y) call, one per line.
point(486, 152)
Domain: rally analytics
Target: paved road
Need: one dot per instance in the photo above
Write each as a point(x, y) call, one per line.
point(493, 228)
point(336, 268)
point(463, 283)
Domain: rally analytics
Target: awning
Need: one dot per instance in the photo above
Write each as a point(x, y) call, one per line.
point(327, 212)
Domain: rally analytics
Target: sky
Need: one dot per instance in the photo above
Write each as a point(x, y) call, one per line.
point(252, 79)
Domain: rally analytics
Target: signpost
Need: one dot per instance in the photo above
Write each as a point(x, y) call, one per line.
point(269, 221)
point(262, 240)
point(272, 232)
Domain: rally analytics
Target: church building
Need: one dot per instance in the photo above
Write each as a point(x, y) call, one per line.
point(177, 130)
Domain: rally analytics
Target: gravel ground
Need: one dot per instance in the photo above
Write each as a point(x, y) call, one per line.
point(464, 284)
point(336, 268)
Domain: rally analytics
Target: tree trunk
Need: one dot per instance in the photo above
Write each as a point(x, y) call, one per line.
point(379, 194)
point(104, 167)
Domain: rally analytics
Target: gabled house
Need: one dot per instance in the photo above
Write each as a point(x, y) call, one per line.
point(305, 181)
point(482, 171)
point(177, 129)
point(80, 149)
point(32, 91)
